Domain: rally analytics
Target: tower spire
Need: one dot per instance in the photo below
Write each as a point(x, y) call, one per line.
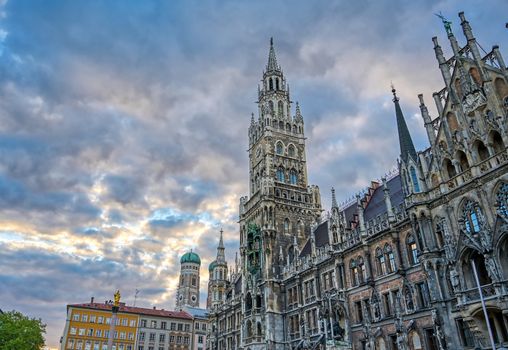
point(272, 60)
point(334, 200)
point(407, 148)
point(220, 249)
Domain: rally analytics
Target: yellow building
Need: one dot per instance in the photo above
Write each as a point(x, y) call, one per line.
point(88, 327)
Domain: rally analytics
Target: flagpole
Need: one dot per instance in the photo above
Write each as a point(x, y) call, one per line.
point(483, 306)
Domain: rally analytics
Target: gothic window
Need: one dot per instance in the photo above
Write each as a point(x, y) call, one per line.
point(286, 225)
point(462, 158)
point(471, 213)
point(414, 179)
point(481, 150)
point(280, 174)
point(391, 267)
point(502, 200)
point(363, 271)
point(277, 84)
point(279, 148)
point(497, 141)
point(291, 151)
point(450, 169)
point(281, 125)
point(270, 84)
point(270, 107)
point(280, 108)
point(381, 262)
point(288, 127)
point(293, 177)
point(440, 233)
point(194, 283)
point(412, 250)
point(453, 125)
point(354, 273)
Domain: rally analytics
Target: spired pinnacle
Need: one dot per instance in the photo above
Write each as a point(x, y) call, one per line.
point(272, 60)
point(407, 148)
point(334, 200)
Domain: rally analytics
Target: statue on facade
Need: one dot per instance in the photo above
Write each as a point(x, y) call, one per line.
point(454, 279)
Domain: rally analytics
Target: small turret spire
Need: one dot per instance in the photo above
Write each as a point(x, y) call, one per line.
point(298, 113)
point(407, 148)
point(272, 60)
point(334, 200)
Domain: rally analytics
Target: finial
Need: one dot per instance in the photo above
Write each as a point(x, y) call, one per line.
point(271, 41)
point(447, 24)
point(394, 92)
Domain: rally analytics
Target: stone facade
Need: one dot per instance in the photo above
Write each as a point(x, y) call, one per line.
point(395, 267)
point(188, 285)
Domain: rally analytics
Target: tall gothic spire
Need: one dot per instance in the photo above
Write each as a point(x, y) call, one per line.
point(220, 249)
point(272, 60)
point(407, 148)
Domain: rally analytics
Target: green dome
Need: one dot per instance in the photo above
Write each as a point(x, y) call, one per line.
point(213, 264)
point(190, 257)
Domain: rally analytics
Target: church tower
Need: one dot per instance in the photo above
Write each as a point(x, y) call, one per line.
point(188, 287)
point(281, 208)
point(217, 281)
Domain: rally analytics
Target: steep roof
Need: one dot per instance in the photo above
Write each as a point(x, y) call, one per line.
point(376, 203)
point(134, 310)
point(321, 237)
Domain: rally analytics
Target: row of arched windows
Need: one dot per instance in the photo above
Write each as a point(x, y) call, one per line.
point(279, 149)
point(385, 260)
point(291, 178)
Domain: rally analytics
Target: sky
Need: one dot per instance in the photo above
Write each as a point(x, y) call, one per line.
point(123, 127)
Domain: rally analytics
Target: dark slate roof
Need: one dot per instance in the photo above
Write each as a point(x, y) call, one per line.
point(350, 213)
point(377, 205)
point(238, 285)
point(322, 239)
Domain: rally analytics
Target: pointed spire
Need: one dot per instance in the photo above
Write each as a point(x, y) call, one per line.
point(220, 249)
point(407, 148)
point(334, 200)
point(272, 60)
point(298, 113)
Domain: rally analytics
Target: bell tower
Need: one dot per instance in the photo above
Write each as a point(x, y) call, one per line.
point(281, 208)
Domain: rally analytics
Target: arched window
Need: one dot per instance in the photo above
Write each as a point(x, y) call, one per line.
point(453, 125)
point(281, 125)
point(194, 280)
point(248, 302)
point(481, 150)
point(291, 151)
point(381, 262)
point(470, 220)
point(391, 267)
point(462, 158)
point(415, 340)
point(450, 169)
point(277, 84)
point(286, 225)
point(280, 108)
point(293, 177)
point(270, 84)
point(502, 200)
point(259, 331)
point(270, 107)
point(288, 127)
point(280, 174)
point(279, 148)
point(497, 141)
point(414, 179)
point(363, 271)
point(412, 250)
point(354, 273)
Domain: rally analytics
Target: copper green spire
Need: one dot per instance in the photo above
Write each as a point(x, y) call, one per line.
point(407, 148)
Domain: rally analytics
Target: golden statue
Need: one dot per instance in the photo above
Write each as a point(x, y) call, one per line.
point(117, 298)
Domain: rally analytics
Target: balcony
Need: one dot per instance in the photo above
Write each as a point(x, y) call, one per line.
point(489, 291)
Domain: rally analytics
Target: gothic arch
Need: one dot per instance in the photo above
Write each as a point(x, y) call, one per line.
point(497, 141)
point(500, 199)
point(481, 150)
point(449, 168)
point(461, 157)
point(279, 147)
point(501, 88)
point(467, 256)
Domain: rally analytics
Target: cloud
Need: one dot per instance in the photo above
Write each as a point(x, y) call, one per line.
point(123, 127)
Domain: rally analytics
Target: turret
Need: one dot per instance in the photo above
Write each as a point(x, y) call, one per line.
point(427, 121)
